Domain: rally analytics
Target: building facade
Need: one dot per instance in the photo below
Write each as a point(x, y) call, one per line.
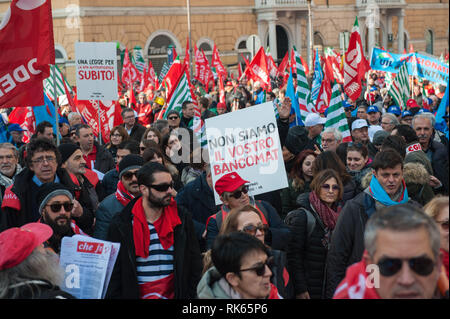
point(280, 24)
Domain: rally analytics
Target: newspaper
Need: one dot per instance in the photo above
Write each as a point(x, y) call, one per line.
point(88, 264)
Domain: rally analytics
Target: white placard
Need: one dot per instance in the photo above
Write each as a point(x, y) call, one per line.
point(96, 71)
point(247, 142)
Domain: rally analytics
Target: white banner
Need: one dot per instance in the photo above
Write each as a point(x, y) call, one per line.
point(96, 71)
point(247, 142)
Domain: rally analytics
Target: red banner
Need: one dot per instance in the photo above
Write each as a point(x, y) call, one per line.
point(24, 116)
point(130, 73)
point(215, 62)
point(26, 50)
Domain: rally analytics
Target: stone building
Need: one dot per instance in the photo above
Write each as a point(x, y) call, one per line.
point(156, 24)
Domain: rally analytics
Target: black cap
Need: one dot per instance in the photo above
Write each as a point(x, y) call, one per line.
point(296, 139)
point(66, 150)
point(131, 161)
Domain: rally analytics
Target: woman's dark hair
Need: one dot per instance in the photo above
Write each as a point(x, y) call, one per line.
point(407, 132)
point(150, 153)
point(154, 130)
point(322, 177)
point(341, 151)
point(395, 142)
point(360, 148)
point(150, 144)
point(122, 131)
point(329, 159)
point(296, 173)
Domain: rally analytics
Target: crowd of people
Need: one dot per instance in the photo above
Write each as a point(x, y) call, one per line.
point(381, 200)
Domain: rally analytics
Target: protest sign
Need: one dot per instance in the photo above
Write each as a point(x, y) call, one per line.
point(420, 65)
point(96, 70)
point(88, 264)
point(247, 142)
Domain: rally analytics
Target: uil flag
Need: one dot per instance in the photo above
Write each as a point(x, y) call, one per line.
point(130, 73)
point(355, 64)
point(26, 50)
point(215, 62)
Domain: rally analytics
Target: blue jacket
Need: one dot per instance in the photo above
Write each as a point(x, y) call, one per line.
point(110, 181)
point(109, 207)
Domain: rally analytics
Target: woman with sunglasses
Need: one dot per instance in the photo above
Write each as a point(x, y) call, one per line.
point(299, 180)
point(248, 220)
point(307, 250)
point(117, 135)
point(438, 210)
point(358, 163)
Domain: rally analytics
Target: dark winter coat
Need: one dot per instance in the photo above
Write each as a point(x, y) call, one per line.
point(107, 209)
point(439, 161)
point(104, 160)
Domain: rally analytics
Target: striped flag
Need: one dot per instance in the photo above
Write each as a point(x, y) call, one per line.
point(399, 90)
point(180, 94)
point(318, 78)
point(336, 115)
point(303, 91)
point(48, 83)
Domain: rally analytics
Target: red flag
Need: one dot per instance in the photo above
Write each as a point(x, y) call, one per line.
point(355, 65)
point(411, 48)
point(221, 89)
point(283, 65)
point(130, 73)
point(132, 99)
point(247, 71)
point(258, 68)
point(201, 67)
point(73, 108)
point(240, 70)
point(209, 76)
point(323, 100)
point(293, 69)
point(26, 50)
point(305, 65)
point(172, 77)
point(186, 61)
point(215, 62)
point(24, 116)
point(332, 68)
point(271, 66)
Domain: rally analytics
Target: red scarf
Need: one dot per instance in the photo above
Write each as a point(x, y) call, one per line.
point(164, 227)
point(445, 260)
point(122, 195)
point(326, 214)
point(354, 284)
point(274, 292)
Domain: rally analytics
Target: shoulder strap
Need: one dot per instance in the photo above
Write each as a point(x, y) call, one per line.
point(310, 220)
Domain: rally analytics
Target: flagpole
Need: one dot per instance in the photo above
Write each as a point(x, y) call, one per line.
point(189, 35)
point(56, 105)
point(99, 124)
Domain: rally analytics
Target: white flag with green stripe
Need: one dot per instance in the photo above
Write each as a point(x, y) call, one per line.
point(336, 114)
point(137, 58)
point(399, 90)
point(303, 91)
point(48, 83)
point(180, 94)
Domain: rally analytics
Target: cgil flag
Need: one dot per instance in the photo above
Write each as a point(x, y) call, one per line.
point(399, 90)
point(336, 114)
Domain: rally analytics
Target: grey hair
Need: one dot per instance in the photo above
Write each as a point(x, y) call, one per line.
point(337, 134)
point(11, 147)
point(392, 118)
point(72, 115)
point(38, 265)
point(401, 218)
point(429, 116)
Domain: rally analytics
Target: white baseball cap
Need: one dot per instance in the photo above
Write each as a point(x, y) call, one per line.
point(314, 119)
point(359, 123)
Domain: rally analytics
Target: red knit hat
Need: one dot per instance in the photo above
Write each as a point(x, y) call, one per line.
point(229, 183)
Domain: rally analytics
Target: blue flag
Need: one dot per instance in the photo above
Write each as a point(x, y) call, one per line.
point(441, 124)
point(46, 113)
point(295, 108)
point(3, 131)
point(318, 77)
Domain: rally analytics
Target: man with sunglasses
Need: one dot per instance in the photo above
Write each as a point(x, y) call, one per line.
point(56, 205)
point(127, 189)
point(387, 188)
point(173, 117)
point(19, 204)
point(159, 256)
point(234, 194)
point(402, 258)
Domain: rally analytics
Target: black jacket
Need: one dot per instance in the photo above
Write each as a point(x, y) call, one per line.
point(439, 161)
point(187, 258)
point(307, 254)
point(347, 240)
point(136, 132)
point(104, 160)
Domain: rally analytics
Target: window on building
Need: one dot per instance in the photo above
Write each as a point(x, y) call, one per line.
point(318, 42)
point(344, 38)
point(429, 41)
point(157, 51)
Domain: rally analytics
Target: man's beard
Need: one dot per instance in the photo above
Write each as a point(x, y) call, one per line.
point(159, 202)
point(58, 230)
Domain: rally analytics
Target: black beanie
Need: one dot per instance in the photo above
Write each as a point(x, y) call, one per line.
point(296, 139)
point(131, 161)
point(49, 190)
point(67, 150)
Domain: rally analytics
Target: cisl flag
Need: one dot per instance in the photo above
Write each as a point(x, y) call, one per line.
point(26, 50)
point(355, 64)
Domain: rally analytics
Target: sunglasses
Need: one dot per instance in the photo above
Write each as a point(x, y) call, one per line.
point(173, 117)
point(357, 145)
point(260, 268)
point(328, 187)
point(423, 266)
point(162, 187)
point(252, 229)
point(129, 175)
point(238, 194)
point(444, 224)
point(56, 207)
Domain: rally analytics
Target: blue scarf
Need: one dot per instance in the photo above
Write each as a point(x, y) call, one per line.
point(378, 193)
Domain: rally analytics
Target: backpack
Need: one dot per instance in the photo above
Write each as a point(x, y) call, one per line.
point(310, 220)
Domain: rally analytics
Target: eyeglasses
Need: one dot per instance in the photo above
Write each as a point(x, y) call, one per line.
point(129, 175)
point(40, 160)
point(162, 187)
point(328, 141)
point(56, 207)
point(328, 187)
point(237, 194)
point(444, 224)
point(357, 145)
point(252, 229)
point(423, 266)
point(173, 117)
point(260, 268)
